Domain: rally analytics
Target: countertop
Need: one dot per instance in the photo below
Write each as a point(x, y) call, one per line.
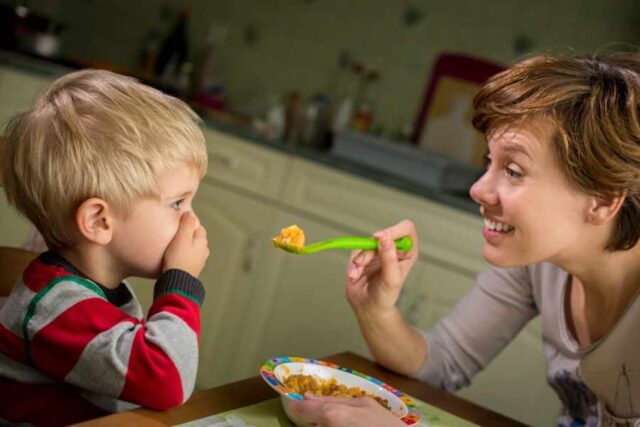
point(54, 68)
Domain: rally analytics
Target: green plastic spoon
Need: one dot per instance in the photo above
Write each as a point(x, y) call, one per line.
point(348, 242)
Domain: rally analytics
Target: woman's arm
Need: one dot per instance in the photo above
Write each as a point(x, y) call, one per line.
point(393, 342)
point(479, 327)
point(374, 282)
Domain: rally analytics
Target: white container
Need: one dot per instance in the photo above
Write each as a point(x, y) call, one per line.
point(411, 163)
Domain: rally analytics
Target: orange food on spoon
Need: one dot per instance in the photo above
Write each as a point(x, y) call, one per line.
point(290, 237)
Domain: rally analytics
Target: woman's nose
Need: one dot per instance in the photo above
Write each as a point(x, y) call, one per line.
point(483, 190)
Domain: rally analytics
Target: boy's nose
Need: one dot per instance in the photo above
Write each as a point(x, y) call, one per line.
point(483, 191)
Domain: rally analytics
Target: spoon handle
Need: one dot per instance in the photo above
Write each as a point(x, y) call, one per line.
point(352, 242)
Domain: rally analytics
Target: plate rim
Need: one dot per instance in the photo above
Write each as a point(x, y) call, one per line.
point(267, 372)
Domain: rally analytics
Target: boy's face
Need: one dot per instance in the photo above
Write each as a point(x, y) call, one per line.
point(141, 239)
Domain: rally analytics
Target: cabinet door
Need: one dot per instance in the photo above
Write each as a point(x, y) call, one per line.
point(17, 92)
point(237, 232)
point(299, 307)
point(237, 229)
point(245, 165)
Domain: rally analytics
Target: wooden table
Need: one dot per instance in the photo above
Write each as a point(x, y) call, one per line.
point(254, 390)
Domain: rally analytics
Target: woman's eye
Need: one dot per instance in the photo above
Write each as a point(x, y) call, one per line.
point(177, 204)
point(512, 173)
point(487, 161)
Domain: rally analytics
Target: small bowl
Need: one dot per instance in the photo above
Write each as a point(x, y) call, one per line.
point(275, 370)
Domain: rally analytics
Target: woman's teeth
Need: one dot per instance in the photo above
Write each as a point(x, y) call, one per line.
point(497, 226)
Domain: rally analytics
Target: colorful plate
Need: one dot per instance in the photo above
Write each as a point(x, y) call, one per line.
point(275, 369)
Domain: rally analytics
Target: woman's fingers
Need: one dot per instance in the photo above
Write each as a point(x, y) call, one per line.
point(389, 259)
point(357, 263)
point(342, 412)
point(401, 229)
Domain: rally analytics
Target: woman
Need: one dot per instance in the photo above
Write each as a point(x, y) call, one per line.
point(561, 202)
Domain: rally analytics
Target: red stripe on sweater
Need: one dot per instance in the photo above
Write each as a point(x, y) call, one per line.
point(44, 404)
point(179, 305)
point(38, 274)
point(152, 378)
point(12, 345)
point(57, 347)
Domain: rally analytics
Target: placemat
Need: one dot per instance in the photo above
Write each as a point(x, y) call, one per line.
point(270, 414)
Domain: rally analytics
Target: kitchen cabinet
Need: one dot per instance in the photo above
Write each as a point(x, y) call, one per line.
point(18, 90)
point(299, 307)
point(236, 204)
point(449, 259)
point(238, 231)
point(262, 302)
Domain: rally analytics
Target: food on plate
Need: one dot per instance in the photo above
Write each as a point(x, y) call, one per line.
point(330, 387)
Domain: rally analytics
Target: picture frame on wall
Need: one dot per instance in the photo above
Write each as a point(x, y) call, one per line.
point(443, 124)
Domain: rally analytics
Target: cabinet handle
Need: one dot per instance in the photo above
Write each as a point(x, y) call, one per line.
point(414, 309)
point(249, 249)
point(230, 162)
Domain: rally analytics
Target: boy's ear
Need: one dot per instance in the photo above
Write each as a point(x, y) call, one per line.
point(94, 220)
point(604, 209)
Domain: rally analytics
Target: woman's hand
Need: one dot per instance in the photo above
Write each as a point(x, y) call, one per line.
point(374, 279)
point(343, 412)
point(189, 248)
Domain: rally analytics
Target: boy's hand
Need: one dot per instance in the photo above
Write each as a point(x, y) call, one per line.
point(189, 248)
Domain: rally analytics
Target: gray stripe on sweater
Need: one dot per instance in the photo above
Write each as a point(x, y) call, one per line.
point(179, 342)
point(102, 367)
point(56, 301)
point(14, 309)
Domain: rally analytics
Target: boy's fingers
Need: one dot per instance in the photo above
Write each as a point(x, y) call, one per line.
point(200, 233)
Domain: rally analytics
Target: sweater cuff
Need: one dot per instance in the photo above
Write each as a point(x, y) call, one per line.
point(179, 282)
point(431, 370)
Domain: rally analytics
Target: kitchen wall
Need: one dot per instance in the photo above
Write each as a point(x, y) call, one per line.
point(274, 46)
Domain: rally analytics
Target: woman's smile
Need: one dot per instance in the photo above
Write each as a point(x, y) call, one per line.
point(495, 230)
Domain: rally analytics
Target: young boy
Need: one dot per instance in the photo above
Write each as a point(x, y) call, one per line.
point(106, 168)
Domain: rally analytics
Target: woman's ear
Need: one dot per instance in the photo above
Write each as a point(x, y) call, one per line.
point(94, 220)
point(604, 209)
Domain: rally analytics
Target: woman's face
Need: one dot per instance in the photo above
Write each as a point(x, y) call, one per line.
point(532, 213)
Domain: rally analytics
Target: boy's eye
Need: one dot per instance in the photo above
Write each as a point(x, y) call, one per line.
point(177, 204)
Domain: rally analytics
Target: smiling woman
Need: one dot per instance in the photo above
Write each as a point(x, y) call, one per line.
point(561, 202)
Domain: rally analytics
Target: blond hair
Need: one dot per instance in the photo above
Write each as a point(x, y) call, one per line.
point(94, 133)
point(593, 104)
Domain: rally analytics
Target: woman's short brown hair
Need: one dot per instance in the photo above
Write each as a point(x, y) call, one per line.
point(593, 104)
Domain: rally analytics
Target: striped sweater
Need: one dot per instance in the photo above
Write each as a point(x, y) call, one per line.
point(71, 349)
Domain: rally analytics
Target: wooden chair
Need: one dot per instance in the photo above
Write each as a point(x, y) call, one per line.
point(13, 261)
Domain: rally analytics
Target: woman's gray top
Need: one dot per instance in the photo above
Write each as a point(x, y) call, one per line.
point(598, 384)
